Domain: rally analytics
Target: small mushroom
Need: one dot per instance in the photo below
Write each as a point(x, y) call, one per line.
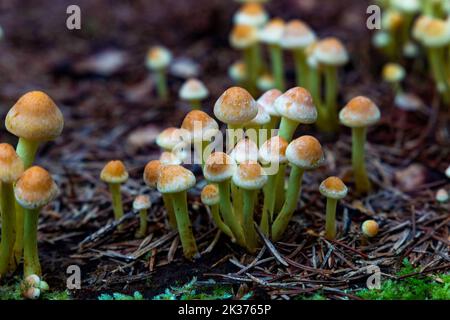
point(394, 74)
point(141, 204)
point(11, 168)
point(34, 189)
point(442, 196)
point(267, 102)
point(265, 82)
point(158, 61)
point(194, 91)
point(334, 189)
point(170, 138)
point(238, 73)
point(359, 114)
point(32, 287)
point(210, 197)
point(304, 153)
point(370, 228)
point(175, 181)
point(251, 14)
point(114, 174)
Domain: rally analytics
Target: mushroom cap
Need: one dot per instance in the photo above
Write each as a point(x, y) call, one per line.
point(331, 51)
point(141, 202)
point(406, 6)
point(11, 166)
point(252, 14)
point(272, 32)
point(151, 173)
point(170, 158)
point(305, 152)
point(297, 35)
point(114, 172)
point(35, 188)
point(381, 39)
point(249, 176)
point(235, 106)
point(370, 228)
point(237, 71)
point(265, 82)
point(245, 150)
point(200, 126)
point(333, 187)
point(442, 196)
point(297, 105)
point(243, 36)
point(35, 117)
point(210, 195)
point(219, 167)
point(158, 58)
point(447, 172)
point(261, 118)
point(359, 112)
point(170, 137)
point(267, 101)
point(273, 151)
point(174, 178)
point(193, 89)
point(393, 72)
point(311, 59)
point(432, 32)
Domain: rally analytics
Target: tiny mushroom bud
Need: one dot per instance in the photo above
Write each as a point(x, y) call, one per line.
point(238, 73)
point(211, 198)
point(442, 196)
point(265, 82)
point(271, 35)
point(114, 174)
point(267, 102)
point(175, 181)
point(359, 114)
point(31, 293)
point(304, 153)
point(158, 60)
point(169, 138)
point(141, 204)
point(34, 189)
point(370, 228)
point(11, 168)
point(194, 91)
point(251, 14)
point(394, 74)
point(334, 189)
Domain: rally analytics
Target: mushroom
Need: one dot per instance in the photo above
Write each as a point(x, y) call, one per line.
point(141, 204)
point(297, 37)
point(251, 14)
point(175, 181)
point(11, 168)
point(245, 38)
point(34, 189)
point(304, 153)
point(32, 287)
point(358, 114)
point(171, 137)
point(254, 126)
point(210, 198)
point(194, 91)
point(170, 158)
point(331, 54)
point(267, 102)
point(394, 74)
point(334, 189)
point(447, 172)
point(114, 174)
point(370, 228)
point(442, 196)
point(158, 60)
point(408, 9)
point(265, 82)
point(250, 177)
point(238, 73)
point(219, 168)
point(271, 35)
point(272, 154)
point(150, 176)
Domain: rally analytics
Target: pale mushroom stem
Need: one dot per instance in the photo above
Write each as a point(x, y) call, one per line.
point(170, 210)
point(362, 181)
point(249, 225)
point(116, 197)
point(276, 54)
point(161, 84)
point(269, 205)
point(301, 68)
point(26, 150)
point(281, 222)
point(330, 219)
point(436, 56)
point(7, 208)
point(218, 221)
point(31, 255)
point(142, 223)
point(236, 195)
point(184, 224)
point(331, 94)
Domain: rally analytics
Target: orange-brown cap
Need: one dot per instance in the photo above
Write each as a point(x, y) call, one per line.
point(158, 58)
point(169, 138)
point(243, 36)
point(235, 106)
point(359, 112)
point(297, 35)
point(210, 195)
point(249, 176)
point(331, 51)
point(297, 105)
point(173, 179)
point(432, 32)
point(35, 188)
point(219, 167)
point(333, 187)
point(272, 32)
point(193, 89)
point(370, 228)
point(151, 173)
point(267, 101)
point(252, 14)
point(35, 117)
point(273, 151)
point(305, 152)
point(200, 126)
point(114, 172)
point(11, 166)
point(141, 202)
point(245, 150)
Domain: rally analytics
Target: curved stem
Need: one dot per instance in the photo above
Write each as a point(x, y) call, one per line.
point(281, 222)
point(7, 207)
point(161, 84)
point(184, 224)
point(276, 54)
point(279, 188)
point(330, 220)
point(116, 197)
point(227, 212)
point(437, 65)
point(142, 224)
point(331, 94)
point(301, 68)
point(249, 225)
point(30, 248)
point(287, 128)
point(218, 221)
point(26, 150)
point(238, 202)
point(170, 211)
point(269, 205)
point(359, 167)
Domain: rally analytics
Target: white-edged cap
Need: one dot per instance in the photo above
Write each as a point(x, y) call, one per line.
point(432, 32)
point(243, 36)
point(252, 14)
point(265, 82)
point(249, 176)
point(273, 151)
point(333, 187)
point(237, 71)
point(210, 195)
point(219, 167)
point(305, 152)
point(141, 202)
point(297, 104)
point(297, 35)
point(170, 137)
point(442, 196)
point(174, 179)
point(158, 58)
point(200, 126)
point(359, 112)
point(170, 158)
point(193, 89)
point(245, 150)
point(272, 32)
point(262, 118)
point(331, 51)
point(267, 101)
point(235, 106)
point(370, 228)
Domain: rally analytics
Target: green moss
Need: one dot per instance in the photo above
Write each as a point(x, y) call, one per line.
point(119, 296)
point(13, 292)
